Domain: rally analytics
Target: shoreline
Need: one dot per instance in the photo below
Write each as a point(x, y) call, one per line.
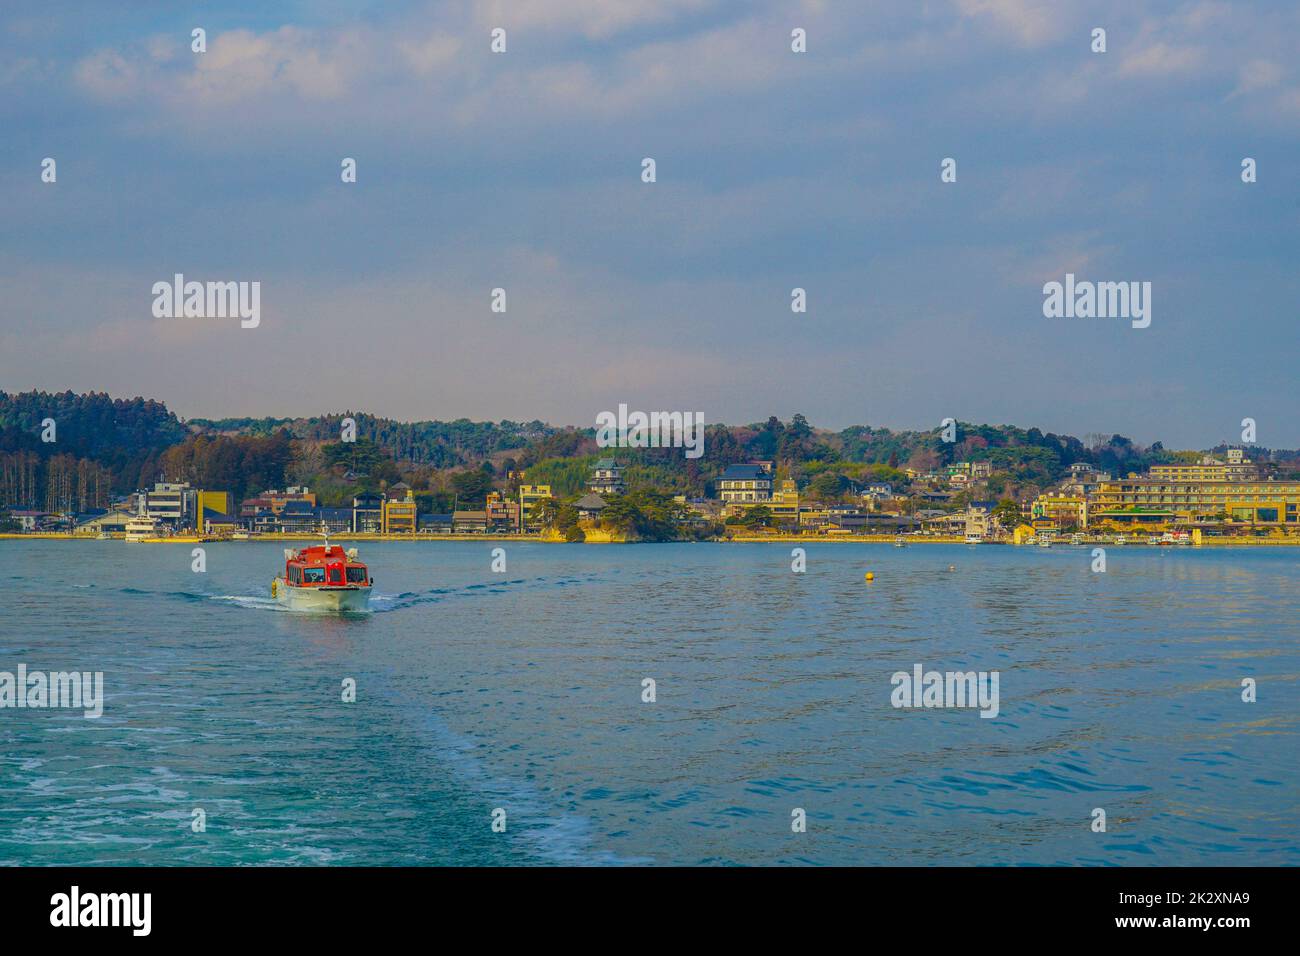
point(1208, 542)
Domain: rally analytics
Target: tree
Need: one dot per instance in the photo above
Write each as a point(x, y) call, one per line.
point(829, 485)
point(1007, 512)
point(472, 486)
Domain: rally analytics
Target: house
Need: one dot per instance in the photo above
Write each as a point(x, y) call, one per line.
point(469, 522)
point(944, 523)
point(606, 478)
point(275, 501)
point(434, 524)
point(298, 517)
point(218, 522)
point(262, 522)
point(590, 506)
point(979, 519)
point(399, 510)
point(335, 520)
point(748, 484)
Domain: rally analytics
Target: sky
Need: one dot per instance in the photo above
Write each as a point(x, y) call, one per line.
point(774, 170)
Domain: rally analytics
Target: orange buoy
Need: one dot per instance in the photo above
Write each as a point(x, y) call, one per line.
point(869, 576)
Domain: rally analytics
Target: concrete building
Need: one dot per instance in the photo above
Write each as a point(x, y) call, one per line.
point(748, 484)
point(1236, 468)
point(530, 496)
point(502, 512)
point(1150, 500)
point(399, 510)
point(1065, 511)
point(368, 513)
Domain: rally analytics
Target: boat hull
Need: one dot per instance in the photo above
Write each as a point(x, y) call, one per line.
point(324, 600)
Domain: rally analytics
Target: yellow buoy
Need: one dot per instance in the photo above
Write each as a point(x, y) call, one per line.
point(869, 576)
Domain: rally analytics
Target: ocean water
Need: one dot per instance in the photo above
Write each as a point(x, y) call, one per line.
point(523, 691)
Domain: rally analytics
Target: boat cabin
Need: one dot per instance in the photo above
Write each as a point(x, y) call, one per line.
point(325, 566)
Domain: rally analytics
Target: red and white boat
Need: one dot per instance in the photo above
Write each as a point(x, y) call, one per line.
point(323, 577)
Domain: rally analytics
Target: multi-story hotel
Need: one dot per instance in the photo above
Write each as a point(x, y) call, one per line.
point(530, 496)
point(1152, 499)
point(784, 503)
point(750, 483)
point(1067, 511)
point(1236, 468)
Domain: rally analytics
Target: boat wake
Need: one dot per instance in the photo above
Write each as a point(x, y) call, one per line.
point(384, 603)
point(379, 603)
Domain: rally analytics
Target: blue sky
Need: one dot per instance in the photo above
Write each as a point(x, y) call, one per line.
point(775, 170)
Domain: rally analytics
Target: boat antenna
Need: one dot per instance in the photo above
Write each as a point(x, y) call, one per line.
point(325, 533)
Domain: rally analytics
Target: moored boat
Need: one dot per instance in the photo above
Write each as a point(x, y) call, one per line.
point(323, 577)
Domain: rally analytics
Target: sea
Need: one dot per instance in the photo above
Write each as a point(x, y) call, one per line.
point(655, 704)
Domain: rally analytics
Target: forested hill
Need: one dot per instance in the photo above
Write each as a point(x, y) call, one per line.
point(119, 434)
point(434, 443)
point(107, 446)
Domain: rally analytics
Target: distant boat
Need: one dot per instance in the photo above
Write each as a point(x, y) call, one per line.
point(974, 539)
point(900, 542)
point(1044, 541)
point(1076, 539)
point(1120, 539)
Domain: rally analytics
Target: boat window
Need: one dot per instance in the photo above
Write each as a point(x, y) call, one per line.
point(295, 575)
point(336, 574)
point(313, 575)
point(357, 575)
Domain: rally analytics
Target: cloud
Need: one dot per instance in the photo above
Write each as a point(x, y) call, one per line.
point(107, 74)
point(429, 54)
point(1257, 75)
point(1163, 59)
point(1032, 22)
point(594, 19)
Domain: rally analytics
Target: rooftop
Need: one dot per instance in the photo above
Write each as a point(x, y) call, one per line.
point(744, 473)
